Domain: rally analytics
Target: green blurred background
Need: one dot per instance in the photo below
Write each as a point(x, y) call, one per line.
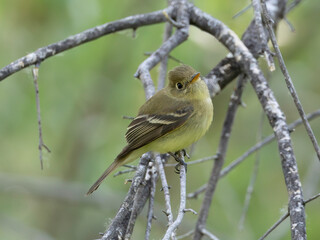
point(82, 122)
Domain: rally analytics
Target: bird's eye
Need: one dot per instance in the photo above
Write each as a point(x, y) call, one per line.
point(179, 85)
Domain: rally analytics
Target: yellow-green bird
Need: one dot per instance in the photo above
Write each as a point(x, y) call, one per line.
point(171, 120)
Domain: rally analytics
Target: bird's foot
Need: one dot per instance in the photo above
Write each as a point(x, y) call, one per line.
point(178, 157)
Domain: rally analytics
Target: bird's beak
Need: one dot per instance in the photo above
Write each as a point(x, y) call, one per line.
point(195, 77)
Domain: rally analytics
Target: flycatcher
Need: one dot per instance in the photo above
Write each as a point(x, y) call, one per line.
point(174, 118)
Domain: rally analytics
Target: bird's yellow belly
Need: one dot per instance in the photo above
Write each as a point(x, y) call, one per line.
point(187, 134)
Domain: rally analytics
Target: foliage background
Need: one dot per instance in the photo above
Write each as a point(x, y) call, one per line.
point(86, 91)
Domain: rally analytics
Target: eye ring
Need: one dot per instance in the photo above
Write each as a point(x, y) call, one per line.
point(179, 85)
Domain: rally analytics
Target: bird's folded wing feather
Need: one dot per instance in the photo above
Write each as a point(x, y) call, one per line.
point(148, 127)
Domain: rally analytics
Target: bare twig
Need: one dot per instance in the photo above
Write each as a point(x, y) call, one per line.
point(124, 172)
point(253, 149)
point(287, 77)
point(35, 73)
point(242, 11)
point(164, 61)
point(173, 22)
point(201, 160)
point(253, 178)
point(198, 191)
point(264, 40)
point(205, 232)
point(172, 228)
point(165, 189)
point(228, 68)
point(292, 5)
point(223, 145)
point(118, 226)
point(312, 198)
point(272, 109)
point(190, 210)
point(43, 53)
point(188, 234)
point(284, 217)
point(176, 39)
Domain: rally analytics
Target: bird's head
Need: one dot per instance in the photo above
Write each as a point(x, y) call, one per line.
point(185, 82)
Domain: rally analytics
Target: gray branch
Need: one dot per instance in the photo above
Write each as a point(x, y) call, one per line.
point(88, 35)
point(288, 80)
point(277, 120)
point(241, 60)
point(118, 226)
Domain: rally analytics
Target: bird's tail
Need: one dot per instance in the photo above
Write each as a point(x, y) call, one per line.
point(112, 167)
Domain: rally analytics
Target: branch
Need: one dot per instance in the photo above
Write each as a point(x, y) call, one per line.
point(181, 34)
point(272, 109)
point(288, 80)
point(165, 189)
point(284, 217)
point(182, 207)
point(118, 226)
point(261, 34)
point(35, 73)
point(244, 156)
point(43, 53)
point(154, 177)
point(228, 68)
point(253, 179)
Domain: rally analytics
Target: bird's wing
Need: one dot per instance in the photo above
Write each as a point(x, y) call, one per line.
point(148, 127)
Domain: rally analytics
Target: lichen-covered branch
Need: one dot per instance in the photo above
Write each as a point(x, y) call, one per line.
point(272, 109)
point(43, 53)
point(118, 226)
point(228, 68)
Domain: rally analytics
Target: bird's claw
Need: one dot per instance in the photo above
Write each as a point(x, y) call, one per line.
point(180, 161)
point(177, 167)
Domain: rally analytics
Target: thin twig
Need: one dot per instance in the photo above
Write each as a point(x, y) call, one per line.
point(181, 35)
point(288, 80)
point(282, 218)
point(171, 21)
point(205, 232)
point(190, 210)
point(312, 198)
point(35, 73)
point(188, 234)
point(242, 11)
point(165, 189)
point(221, 153)
point(253, 149)
point(253, 178)
point(164, 61)
point(200, 190)
point(262, 36)
point(201, 160)
point(124, 172)
point(132, 22)
point(292, 5)
point(183, 179)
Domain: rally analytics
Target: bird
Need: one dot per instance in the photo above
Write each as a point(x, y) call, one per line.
point(171, 120)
